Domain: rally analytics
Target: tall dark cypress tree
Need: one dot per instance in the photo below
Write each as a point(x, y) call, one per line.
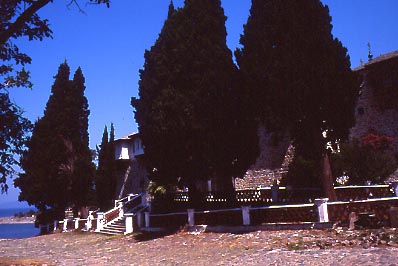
point(155, 78)
point(84, 169)
point(186, 107)
point(299, 78)
point(57, 165)
point(105, 181)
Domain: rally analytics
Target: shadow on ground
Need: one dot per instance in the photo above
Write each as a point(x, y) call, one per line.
point(150, 235)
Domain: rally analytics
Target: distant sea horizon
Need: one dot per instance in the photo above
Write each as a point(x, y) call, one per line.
point(10, 212)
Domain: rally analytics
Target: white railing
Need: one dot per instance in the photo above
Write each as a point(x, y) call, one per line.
point(121, 206)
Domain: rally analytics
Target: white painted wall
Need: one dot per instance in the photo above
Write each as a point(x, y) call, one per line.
point(127, 149)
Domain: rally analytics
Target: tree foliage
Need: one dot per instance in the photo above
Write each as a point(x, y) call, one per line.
point(18, 19)
point(298, 75)
point(57, 167)
point(13, 129)
point(105, 178)
point(367, 159)
point(186, 111)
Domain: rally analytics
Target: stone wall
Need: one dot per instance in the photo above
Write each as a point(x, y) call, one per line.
point(276, 153)
point(372, 115)
point(340, 211)
point(275, 156)
point(369, 117)
point(136, 180)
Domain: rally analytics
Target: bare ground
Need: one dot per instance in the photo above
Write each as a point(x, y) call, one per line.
point(305, 247)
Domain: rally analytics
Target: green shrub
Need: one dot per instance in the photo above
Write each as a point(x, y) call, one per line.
point(367, 159)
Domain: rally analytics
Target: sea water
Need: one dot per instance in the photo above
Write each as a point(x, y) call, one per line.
point(18, 230)
point(22, 230)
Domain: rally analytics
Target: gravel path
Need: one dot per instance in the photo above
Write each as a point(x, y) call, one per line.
point(256, 248)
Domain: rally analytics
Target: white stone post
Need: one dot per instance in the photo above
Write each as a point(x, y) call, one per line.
point(77, 223)
point(90, 219)
point(129, 223)
point(65, 228)
point(121, 212)
point(191, 217)
point(246, 215)
point(147, 224)
point(395, 187)
point(100, 221)
point(322, 206)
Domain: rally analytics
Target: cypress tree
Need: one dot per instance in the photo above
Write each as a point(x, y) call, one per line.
point(298, 77)
point(187, 98)
point(105, 181)
point(57, 166)
point(155, 77)
point(84, 169)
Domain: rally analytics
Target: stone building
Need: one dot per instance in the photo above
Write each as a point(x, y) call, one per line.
point(131, 171)
point(376, 112)
point(377, 106)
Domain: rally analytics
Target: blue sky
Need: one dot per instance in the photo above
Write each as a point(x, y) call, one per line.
point(109, 44)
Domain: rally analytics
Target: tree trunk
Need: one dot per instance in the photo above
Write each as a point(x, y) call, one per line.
point(327, 179)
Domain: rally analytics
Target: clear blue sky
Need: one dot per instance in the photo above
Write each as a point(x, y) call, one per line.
point(108, 44)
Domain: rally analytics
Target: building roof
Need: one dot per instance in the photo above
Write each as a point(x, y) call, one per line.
point(128, 137)
point(381, 58)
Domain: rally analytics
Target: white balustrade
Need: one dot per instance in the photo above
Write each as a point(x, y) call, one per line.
point(100, 221)
point(322, 206)
point(129, 223)
point(191, 217)
point(65, 227)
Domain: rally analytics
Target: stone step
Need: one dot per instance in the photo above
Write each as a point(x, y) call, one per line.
point(116, 227)
point(111, 231)
point(122, 223)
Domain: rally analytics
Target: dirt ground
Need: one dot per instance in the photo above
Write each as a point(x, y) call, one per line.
point(301, 247)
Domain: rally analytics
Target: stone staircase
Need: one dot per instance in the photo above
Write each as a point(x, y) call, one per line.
point(116, 227)
point(124, 218)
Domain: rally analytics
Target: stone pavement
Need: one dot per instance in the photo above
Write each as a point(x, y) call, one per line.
point(312, 247)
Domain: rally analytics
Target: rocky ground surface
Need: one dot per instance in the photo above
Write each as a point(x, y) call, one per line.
point(305, 247)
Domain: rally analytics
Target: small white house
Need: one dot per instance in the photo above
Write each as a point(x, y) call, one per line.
point(131, 171)
point(128, 147)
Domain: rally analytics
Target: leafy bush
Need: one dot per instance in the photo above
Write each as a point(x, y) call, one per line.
point(155, 190)
point(367, 159)
point(302, 173)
